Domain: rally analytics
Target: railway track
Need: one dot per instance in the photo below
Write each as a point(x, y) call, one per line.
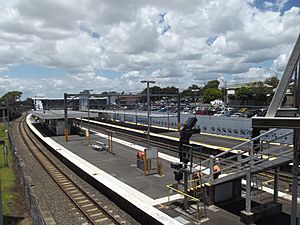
point(139, 140)
point(266, 175)
point(94, 212)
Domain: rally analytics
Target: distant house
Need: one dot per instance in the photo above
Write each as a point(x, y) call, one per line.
point(128, 99)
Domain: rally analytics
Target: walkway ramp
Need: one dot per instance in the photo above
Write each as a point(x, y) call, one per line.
point(258, 156)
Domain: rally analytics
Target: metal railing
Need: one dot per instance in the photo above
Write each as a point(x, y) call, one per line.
point(31, 200)
point(238, 159)
point(192, 198)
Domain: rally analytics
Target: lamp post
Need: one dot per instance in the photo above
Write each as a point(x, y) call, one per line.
point(225, 91)
point(194, 91)
point(274, 71)
point(148, 110)
point(88, 105)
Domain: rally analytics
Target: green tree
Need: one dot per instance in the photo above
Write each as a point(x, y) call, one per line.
point(211, 94)
point(213, 84)
point(244, 93)
point(273, 81)
point(189, 93)
point(259, 90)
point(11, 96)
point(153, 90)
point(12, 100)
point(169, 90)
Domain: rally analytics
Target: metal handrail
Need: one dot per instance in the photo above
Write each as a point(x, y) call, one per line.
point(189, 196)
point(238, 164)
point(242, 144)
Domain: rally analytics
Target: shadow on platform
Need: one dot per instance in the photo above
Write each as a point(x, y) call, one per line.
point(235, 207)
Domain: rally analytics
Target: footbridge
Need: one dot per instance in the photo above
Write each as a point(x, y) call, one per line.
point(259, 153)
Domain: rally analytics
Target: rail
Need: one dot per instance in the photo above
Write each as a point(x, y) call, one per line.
point(92, 211)
point(31, 199)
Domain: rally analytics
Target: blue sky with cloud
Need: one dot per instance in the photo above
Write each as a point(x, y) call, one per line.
point(53, 46)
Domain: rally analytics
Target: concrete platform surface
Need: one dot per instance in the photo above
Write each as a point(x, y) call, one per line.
point(122, 165)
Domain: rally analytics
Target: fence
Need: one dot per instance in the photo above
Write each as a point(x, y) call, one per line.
point(31, 199)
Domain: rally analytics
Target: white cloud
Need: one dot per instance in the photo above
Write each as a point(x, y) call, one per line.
point(268, 4)
point(174, 43)
point(280, 63)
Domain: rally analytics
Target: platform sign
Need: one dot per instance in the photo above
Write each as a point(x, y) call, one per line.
point(152, 153)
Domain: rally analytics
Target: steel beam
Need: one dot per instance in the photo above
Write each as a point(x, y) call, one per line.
point(178, 112)
point(285, 81)
point(276, 122)
point(276, 185)
point(248, 190)
point(295, 176)
point(66, 116)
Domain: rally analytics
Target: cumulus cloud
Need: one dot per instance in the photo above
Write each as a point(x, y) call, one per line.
point(280, 63)
point(174, 44)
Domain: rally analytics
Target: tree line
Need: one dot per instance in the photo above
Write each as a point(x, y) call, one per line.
point(211, 90)
point(12, 101)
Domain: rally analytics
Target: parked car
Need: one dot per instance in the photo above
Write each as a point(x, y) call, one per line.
point(237, 115)
point(221, 113)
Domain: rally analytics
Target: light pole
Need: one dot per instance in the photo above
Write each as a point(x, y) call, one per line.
point(88, 105)
point(274, 71)
point(225, 91)
point(148, 110)
point(195, 91)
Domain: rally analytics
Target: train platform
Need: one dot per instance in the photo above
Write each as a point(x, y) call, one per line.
point(120, 169)
point(212, 141)
point(122, 164)
point(151, 189)
point(209, 141)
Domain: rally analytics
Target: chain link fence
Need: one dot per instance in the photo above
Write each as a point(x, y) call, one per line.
point(31, 200)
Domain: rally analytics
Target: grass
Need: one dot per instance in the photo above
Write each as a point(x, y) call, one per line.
point(7, 175)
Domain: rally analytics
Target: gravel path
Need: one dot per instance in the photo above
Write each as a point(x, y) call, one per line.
point(62, 209)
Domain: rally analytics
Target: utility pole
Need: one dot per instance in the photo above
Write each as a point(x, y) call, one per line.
point(225, 92)
point(66, 117)
point(148, 110)
point(194, 95)
point(89, 127)
point(178, 111)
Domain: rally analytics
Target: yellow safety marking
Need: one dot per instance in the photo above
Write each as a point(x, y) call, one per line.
point(160, 135)
point(162, 206)
point(155, 126)
point(182, 193)
point(177, 138)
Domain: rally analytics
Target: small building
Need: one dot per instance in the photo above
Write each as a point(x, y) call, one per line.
point(53, 121)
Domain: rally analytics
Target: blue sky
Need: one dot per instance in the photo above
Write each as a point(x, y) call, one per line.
point(112, 45)
point(33, 71)
point(291, 3)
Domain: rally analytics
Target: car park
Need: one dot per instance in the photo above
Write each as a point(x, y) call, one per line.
point(237, 115)
point(221, 113)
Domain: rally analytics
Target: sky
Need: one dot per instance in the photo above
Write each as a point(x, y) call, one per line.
point(48, 47)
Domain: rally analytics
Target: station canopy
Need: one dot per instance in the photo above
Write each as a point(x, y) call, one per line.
point(140, 114)
point(59, 114)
